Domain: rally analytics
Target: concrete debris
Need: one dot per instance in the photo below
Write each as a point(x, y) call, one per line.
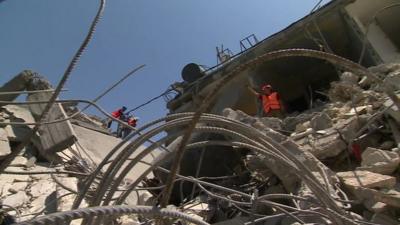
point(350, 78)
point(5, 148)
point(16, 200)
point(321, 122)
point(323, 146)
point(379, 161)
point(348, 148)
point(355, 179)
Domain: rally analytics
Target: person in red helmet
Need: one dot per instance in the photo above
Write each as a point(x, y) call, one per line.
point(271, 104)
point(118, 114)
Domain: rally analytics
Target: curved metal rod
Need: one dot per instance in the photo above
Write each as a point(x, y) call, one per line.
point(62, 217)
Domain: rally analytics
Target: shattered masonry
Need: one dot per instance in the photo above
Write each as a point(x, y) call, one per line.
point(333, 159)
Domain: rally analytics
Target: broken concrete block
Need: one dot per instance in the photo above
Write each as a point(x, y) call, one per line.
point(366, 179)
point(349, 77)
point(16, 200)
point(42, 187)
point(290, 122)
point(19, 161)
point(321, 122)
point(5, 148)
point(327, 146)
point(18, 186)
point(20, 113)
point(349, 127)
point(272, 122)
point(379, 161)
point(376, 207)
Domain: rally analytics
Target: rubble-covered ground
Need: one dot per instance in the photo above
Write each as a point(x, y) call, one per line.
point(350, 145)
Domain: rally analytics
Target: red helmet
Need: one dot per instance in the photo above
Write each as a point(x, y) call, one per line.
point(265, 86)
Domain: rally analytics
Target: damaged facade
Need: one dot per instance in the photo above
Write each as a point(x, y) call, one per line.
point(333, 159)
point(338, 28)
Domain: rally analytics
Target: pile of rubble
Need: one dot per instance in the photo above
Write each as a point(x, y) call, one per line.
point(28, 188)
point(349, 145)
point(354, 139)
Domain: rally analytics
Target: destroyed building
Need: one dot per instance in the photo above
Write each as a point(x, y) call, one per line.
point(333, 159)
point(340, 27)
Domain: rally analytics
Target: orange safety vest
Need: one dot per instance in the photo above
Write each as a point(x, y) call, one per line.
point(270, 102)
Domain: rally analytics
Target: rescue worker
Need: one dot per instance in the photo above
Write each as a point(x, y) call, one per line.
point(270, 101)
point(117, 114)
point(132, 121)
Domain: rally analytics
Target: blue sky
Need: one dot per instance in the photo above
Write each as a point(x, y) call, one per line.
point(43, 35)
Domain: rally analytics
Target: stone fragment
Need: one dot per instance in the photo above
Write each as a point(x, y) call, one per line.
point(5, 148)
point(16, 200)
point(290, 122)
point(20, 113)
point(271, 122)
point(366, 179)
point(19, 161)
point(321, 122)
point(128, 220)
point(18, 186)
point(31, 162)
point(42, 187)
point(326, 146)
point(349, 77)
point(376, 207)
point(379, 161)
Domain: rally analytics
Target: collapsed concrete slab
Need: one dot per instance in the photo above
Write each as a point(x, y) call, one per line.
point(54, 137)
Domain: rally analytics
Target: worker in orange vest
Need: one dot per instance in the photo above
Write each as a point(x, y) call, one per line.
point(132, 121)
point(118, 114)
point(271, 104)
